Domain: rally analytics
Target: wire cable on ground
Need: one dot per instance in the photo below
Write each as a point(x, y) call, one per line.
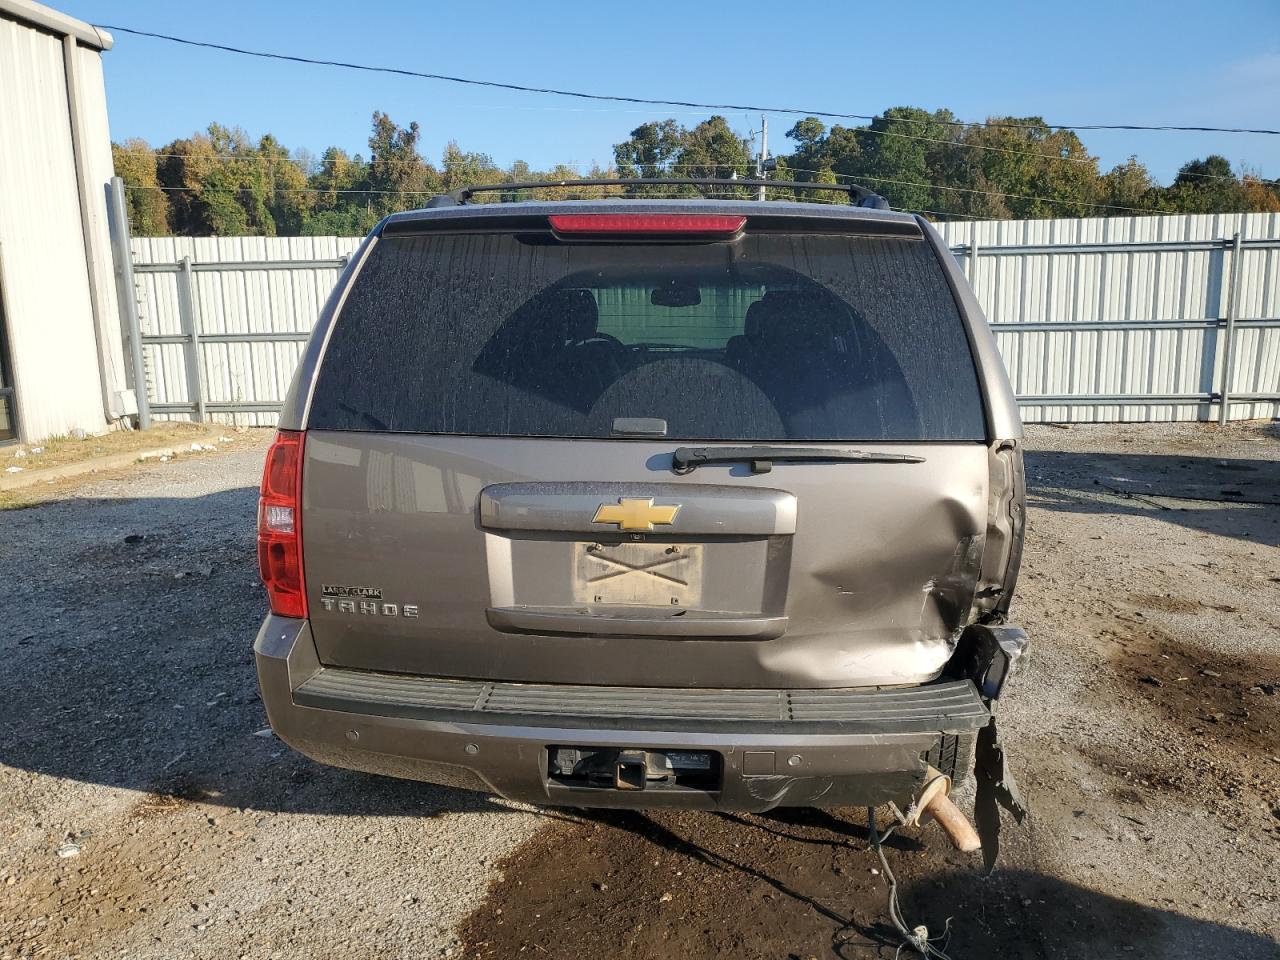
point(917, 938)
point(524, 88)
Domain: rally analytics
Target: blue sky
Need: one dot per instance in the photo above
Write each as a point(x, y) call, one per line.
point(1070, 62)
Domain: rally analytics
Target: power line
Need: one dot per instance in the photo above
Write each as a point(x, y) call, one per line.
point(1014, 196)
point(946, 213)
point(928, 186)
point(662, 167)
point(987, 193)
point(207, 188)
point(1020, 153)
point(575, 164)
point(487, 163)
point(523, 88)
point(622, 184)
point(301, 161)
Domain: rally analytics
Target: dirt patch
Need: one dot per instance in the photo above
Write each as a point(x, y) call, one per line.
point(87, 896)
point(1234, 702)
point(664, 884)
point(172, 795)
point(1221, 744)
point(1167, 602)
point(137, 557)
point(796, 884)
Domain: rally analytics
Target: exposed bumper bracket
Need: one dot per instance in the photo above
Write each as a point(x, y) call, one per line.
point(992, 655)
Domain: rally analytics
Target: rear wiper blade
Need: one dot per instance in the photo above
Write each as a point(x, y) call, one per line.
point(761, 458)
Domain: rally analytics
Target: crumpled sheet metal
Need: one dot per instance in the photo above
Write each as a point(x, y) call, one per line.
point(996, 788)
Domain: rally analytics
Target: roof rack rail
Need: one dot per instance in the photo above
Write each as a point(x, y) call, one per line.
point(858, 196)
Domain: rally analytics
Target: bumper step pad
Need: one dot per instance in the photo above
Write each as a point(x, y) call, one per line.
point(952, 706)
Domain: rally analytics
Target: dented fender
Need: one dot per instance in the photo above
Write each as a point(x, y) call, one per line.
point(1006, 526)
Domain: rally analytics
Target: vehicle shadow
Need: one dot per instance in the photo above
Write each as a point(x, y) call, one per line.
point(1237, 498)
point(128, 662)
point(1021, 913)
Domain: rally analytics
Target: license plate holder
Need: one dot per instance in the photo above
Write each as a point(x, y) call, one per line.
point(643, 574)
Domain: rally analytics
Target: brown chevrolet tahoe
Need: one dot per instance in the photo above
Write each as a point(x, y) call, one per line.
point(639, 503)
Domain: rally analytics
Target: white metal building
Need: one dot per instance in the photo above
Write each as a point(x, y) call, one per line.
point(61, 359)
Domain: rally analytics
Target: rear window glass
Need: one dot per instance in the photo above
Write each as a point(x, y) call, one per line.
point(770, 337)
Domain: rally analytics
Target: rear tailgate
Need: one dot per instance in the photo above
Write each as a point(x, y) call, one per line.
point(811, 575)
point(470, 509)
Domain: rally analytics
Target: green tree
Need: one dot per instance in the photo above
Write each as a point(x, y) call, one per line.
point(711, 150)
point(218, 182)
point(147, 204)
point(1260, 196)
point(1207, 186)
point(647, 153)
point(807, 132)
point(905, 152)
point(463, 169)
point(284, 187)
point(332, 174)
point(234, 190)
point(397, 177)
point(1036, 171)
point(822, 156)
point(1129, 185)
point(186, 169)
point(336, 205)
point(665, 149)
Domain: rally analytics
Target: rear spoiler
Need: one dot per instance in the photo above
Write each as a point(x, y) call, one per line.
point(493, 218)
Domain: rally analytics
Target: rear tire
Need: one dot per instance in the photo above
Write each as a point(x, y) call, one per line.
point(953, 755)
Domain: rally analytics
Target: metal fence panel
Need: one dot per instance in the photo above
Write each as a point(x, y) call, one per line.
point(1128, 314)
point(254, 302)
point(1142, 304)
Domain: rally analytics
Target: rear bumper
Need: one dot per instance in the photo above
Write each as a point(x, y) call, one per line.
point(858, 747)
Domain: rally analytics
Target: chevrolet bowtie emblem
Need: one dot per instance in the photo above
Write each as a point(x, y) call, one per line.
point(633, 513)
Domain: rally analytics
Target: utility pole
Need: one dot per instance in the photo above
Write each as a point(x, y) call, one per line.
point(764, 153)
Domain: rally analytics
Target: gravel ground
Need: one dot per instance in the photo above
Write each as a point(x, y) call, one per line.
point(132, 729)
point(148, 815)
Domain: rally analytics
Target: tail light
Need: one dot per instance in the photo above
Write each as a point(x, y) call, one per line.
point(280, 526)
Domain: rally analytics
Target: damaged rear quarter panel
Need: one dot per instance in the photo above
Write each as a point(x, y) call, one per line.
point(893, 608)
point(1006, 523)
